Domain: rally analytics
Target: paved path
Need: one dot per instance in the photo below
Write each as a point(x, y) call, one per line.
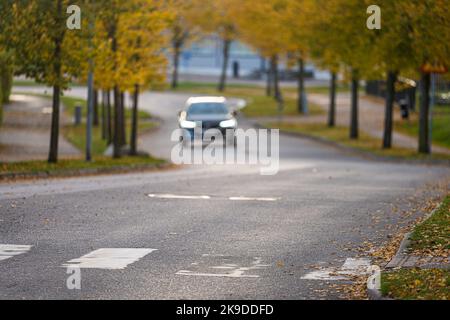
point(207, 232)
point(25, 133)
point(371, 118)
point(163, 105)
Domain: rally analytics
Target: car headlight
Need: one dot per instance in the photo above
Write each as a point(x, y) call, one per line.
point(232, 123)
point(185, 124)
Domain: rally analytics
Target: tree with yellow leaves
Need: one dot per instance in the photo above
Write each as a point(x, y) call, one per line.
point(142, 62)
point(38, 38)
point(219, 17)
point(349, 43)
point(263, 27)
point(6, 57)
point(427, 26)
point(314, 34)
point(127, 48)
point(182, 30)
point(296, 21)
point(413, 34)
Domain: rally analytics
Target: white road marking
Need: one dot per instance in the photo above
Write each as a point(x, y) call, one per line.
point(205, 197)
point(233, 271)
point(252, 199)
point(109, 258)
point(10, 250)
point(351, 267)
point(174, 196)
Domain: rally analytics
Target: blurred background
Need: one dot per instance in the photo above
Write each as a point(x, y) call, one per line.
point(91, 80)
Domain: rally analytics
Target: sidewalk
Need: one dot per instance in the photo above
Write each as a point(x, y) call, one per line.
point(25, 133)
point(371, 118)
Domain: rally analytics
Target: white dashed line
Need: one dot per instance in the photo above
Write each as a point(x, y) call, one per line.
point(109, 258)
point(174, 196)
point(351, 267)
point(204, 197)
point(10, 250)
point(252, 199)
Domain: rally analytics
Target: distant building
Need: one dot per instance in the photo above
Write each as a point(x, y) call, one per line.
point(205, 57)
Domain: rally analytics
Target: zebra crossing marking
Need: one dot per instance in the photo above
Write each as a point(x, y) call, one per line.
point(109, 258)
point(10, 250)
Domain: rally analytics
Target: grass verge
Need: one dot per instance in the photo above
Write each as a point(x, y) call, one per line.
point(430, 238)
point(340, 135)
point(74, 165)
point(77, 134)
point(441, 126)
point(416, 284)
point(433, 235)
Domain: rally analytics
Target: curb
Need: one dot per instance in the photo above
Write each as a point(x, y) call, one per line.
point(364, 154)
point(5, 177)
point(402, 253)
point(400, 256)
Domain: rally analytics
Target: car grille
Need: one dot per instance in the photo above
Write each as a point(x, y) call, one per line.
point(210, 124)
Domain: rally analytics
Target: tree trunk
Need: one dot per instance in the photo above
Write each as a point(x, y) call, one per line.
point(354, 125)
point(424, 129)
point(109, 133)
point(117, 126)
point(103, 114)
point(276, 84)
point(226, 58)
point(123, 135)
point(134, 123)
point(388, 120)
point(301, 87)
point(269, 84)
point(176, 64)
point(96, 113)
point(332, 111)
point(117, 152)
point(54, 132)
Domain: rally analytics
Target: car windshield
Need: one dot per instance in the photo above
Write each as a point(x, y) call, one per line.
point(207, 108)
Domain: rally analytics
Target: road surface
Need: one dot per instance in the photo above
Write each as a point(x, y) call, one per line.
point(201, 232)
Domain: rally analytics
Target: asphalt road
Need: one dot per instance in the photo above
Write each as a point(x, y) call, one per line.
point(326, 203)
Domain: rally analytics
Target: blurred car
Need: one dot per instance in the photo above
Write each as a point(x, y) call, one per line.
point(205, 113)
